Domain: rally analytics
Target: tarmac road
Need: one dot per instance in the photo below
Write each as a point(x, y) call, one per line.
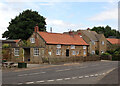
point(80, 73)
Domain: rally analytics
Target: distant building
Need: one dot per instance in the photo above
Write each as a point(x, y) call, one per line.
point(97, 42)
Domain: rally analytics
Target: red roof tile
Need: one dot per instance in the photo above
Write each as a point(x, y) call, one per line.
point(16, 40)
point(57, 38)
point(113, 40)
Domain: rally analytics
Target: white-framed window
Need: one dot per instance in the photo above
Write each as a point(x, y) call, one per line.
point(93, 52)
point(73, 52)
point(102, 42)
point(16, 51)
point(72, 46)
point(36, 51)
point(58, 46)
point(84, 47)
point(58, 52)
point(102, 51)
point(32, 40)
point(93, 42)
point(84, 52)
point(77, 52)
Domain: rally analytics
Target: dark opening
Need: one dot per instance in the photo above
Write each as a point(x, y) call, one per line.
point(67, 52)
point(27, 54)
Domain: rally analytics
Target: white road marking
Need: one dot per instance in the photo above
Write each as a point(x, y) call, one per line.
point(43, 72)
point(103, 73)
point(29, 82)
point(74, 77)
point(66, 78)
point(40, 81)
point(59, 70)
point(50, 80)
point(84, 67)
point(80, 77)
point(20, 83)
point(59, 79)
point(91, 75)
point(96, 74)
point(86, 76)
point(23, 75)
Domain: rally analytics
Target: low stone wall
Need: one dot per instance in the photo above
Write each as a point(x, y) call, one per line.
point(70, 59)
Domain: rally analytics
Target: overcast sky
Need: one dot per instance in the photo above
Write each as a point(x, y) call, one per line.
point(63, 15)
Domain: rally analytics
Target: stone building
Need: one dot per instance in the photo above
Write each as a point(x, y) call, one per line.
point(51, 45)
point(97, 42)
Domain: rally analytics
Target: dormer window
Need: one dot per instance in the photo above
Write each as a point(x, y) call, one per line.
point(32, 40)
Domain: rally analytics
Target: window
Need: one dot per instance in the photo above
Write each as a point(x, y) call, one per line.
point(72, 46)
point(36, 51)
point(77, 52)
point(93, 52)
point(58, 46)
point(84, 47)
point(84, 52)
point(73, 53)
point(102, 51)
point(102, 42)
point(93, 42)
point(32, 40)
point(16, 51)
point(58, 51)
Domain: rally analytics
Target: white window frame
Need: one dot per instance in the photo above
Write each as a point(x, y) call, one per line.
point(16, 51)
point(36, 52)
point(73, 52)
point(93, 52)
point(72, 46)
point(102, 51)
point(84, 52)
point(93, 42)
point(84, 47)
point(32, 40)
point(77, 52)
point(58, 46)
point(103, 42)
point(58, 52)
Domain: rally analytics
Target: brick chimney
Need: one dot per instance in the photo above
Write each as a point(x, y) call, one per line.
point(71, 33)
point(36, 28)
point(80, 34)
point(88, 29)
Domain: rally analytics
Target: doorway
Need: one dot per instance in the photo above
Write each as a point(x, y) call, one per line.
point(26, 54)
point(67, 52)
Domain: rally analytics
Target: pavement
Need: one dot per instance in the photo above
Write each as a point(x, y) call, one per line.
point(69, 73)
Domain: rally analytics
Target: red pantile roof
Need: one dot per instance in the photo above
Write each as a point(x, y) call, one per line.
point(57, 38)
point(16, 40)
point(113, 40)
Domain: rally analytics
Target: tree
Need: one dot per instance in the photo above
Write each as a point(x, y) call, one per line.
point(22, 26)
point(107, 31)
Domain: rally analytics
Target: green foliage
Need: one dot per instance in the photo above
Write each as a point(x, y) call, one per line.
point(105, 54)
point(22, 26)
point(5, 46)
point(97, 52)
point(107, 31)
point(115, 53)
point(26, 43)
